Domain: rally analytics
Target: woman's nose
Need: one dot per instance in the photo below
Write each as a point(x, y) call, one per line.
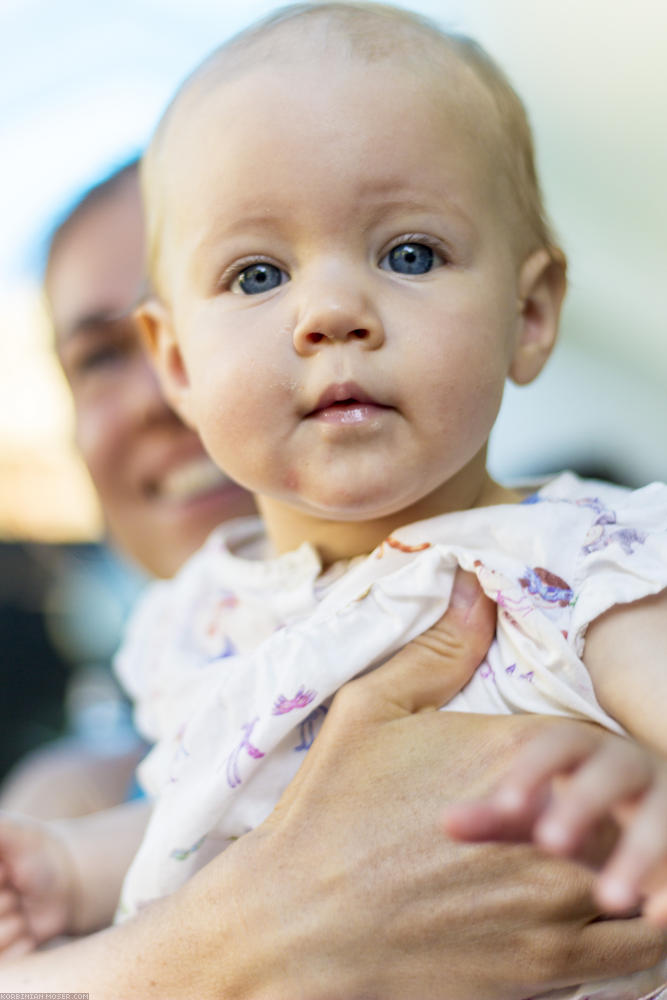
point(336, 312)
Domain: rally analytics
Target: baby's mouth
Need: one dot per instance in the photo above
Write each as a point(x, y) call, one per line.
point(340, 403)
point(341, 396)
point(345, 403)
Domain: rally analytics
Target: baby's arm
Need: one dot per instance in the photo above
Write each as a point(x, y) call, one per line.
point(626, 655)
point(606, 775)
point(63, 877)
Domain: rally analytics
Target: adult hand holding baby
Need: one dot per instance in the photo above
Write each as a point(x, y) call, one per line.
point(409, 915)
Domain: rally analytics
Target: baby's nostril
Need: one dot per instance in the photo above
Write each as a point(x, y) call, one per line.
point(360, 334)
point(315, 338)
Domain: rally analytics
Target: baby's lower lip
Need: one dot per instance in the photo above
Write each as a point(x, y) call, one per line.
point(347, 413)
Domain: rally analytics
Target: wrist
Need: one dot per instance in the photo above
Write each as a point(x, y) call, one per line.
point(256, 928)
point(100, 848)
point(234, 927)
point(72, 883)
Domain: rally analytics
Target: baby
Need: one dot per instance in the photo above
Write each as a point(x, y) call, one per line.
point(350, 256)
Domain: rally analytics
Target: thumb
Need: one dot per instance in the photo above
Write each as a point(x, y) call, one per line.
point(424, 674)
point(434, 667)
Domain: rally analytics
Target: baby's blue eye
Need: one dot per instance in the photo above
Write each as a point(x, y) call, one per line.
point(259, 278)
point(410, 258)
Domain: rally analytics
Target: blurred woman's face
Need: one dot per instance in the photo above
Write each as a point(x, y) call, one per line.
point(160, 493)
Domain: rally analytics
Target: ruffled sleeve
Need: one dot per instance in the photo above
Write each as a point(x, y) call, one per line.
point(623, 556)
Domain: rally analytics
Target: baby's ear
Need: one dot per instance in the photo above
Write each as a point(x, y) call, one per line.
point(153, 320)
point(542, 284)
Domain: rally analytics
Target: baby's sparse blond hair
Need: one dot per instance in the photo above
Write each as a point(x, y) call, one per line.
point(372, 32)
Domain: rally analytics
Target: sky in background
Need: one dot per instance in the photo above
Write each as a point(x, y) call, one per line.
point(82, 84)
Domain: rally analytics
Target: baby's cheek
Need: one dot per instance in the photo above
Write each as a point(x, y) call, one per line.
point(236, 436)
point(220, 418)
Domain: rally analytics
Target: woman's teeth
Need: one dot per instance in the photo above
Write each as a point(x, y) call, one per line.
point(191, 479)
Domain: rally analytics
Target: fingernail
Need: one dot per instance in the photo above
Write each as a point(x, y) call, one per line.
point(510, 799)
point(552, 835)
point(615, 894)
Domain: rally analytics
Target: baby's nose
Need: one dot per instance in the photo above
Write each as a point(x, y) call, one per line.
point(337, 315)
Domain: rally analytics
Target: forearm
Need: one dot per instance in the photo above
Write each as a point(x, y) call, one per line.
point(120, 963)
point(637, 698)
point(100, 848)
point(193, 943)
point(66, 779)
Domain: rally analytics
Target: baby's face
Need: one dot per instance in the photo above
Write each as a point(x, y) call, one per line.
point(342, 288)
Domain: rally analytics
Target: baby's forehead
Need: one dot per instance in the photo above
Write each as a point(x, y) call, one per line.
point(234, 119)
point(437, 64)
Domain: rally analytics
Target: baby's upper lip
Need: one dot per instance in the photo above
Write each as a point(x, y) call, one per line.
point(343, 392)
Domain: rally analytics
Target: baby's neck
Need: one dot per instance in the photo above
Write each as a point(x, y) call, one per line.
point(288, 527)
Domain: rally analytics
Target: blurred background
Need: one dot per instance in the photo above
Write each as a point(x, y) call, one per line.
point(81, 87)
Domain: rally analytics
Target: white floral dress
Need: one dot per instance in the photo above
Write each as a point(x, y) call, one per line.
point(232, 664)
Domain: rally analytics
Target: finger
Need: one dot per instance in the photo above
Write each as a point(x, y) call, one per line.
point(640, 851)
point(5, 874)
point(485, 820)
point(655, 909)
point(419, 676)
point(608, 948)
point(555, 751)
point(21, 946)
point(616, 771)
point(512, 810)
point(432, 668)
point(12, 927)
point(9, 901)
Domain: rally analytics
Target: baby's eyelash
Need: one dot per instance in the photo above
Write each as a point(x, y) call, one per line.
point(428, 241)
point(231, 273)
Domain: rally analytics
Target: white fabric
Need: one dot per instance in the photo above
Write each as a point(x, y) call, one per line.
point(232, 664)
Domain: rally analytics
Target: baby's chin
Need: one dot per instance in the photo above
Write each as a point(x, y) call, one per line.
point(348, 507)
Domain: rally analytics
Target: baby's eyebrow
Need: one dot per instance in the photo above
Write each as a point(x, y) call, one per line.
point(242, 222)
point(220, 230)
point(375, 201)
point(206, 243)
point(391, 196)
point(257, 219)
